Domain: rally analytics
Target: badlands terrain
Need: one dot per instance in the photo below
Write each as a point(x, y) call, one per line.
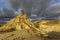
point(21, 28)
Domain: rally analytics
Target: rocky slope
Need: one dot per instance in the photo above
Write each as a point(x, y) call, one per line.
point(19, 28)
point(49, 28)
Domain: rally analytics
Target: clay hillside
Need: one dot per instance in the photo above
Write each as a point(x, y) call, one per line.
point(49, 28)
point(21, 28)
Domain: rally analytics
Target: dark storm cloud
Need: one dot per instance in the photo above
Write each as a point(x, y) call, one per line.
point(31, 7)
point(36, 7)
point(5, 9)
point(7, 13)
point(53, 11)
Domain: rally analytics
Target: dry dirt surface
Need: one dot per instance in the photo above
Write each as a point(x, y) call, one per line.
point(28, 35)
point(19, 35)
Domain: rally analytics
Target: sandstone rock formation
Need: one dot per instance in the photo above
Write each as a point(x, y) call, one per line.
point(19, 22)
point(46, 26)
point(21, 28)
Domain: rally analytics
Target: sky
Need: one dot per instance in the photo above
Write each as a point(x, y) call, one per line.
point(56, 1)
point(6, 4)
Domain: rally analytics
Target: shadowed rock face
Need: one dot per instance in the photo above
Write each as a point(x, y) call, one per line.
point(53, 36)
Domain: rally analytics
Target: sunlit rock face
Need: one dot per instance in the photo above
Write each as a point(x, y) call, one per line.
point(18, 23)
point(47, 26)
point(21, 28)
